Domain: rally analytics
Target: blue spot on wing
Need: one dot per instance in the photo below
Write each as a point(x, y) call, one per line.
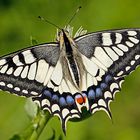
point(91, 94)
point(69, 100)
point(98, 92)
point(55, 98)
point(108, 78)
point(103, 86)
point(47, 93)
point(62, 101)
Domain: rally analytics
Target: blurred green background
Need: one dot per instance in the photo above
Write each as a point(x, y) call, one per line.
point(18, 21)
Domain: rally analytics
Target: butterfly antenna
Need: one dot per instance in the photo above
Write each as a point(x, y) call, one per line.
point(45, 20)
point(73, 16)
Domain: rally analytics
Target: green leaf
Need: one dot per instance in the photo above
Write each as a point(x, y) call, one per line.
point(53, 136)
point(31, 108)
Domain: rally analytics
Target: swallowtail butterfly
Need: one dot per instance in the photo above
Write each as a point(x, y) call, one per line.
point(66, 76)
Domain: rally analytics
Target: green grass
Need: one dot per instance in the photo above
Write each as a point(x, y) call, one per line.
point(18, 22)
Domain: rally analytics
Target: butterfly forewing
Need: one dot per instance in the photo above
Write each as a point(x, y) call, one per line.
point(118, 51)
point(24, 72)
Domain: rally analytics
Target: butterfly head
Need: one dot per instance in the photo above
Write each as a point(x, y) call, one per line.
point(68, 30)
point(65, 36)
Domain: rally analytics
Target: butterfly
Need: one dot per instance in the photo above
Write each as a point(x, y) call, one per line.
point(73, 73)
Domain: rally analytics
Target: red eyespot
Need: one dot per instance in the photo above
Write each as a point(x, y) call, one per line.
point(80, 99)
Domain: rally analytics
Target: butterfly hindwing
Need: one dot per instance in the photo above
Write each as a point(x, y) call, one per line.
point(61, 105)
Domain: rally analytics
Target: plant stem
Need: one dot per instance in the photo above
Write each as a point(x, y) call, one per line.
point(39, 125)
